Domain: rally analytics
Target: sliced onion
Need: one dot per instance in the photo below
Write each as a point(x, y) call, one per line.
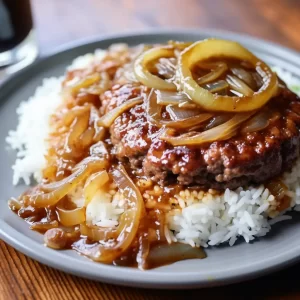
point(99, 131)
point(109, 118)
point(14, 204)
point(163, 254)
point(128, 73)
point(278, 189)
point(244, 76)
point(128, 223)
point(188, 122)
point(188, 104)
point(217, 86)
point(102, 86)
point(212, 48)
point(71, 114)
point(154, 115)
point(173, 98)
point(259, 122)
point(95, 162)
point(178, 113)
point(70, 217)
point(218, 120)
point(166, 67)
point(145, 77)
point(96, 233)
point(258, 80)
point(153, 109)
point(219, 133)
point(238, 85)
point(58, 190)
point(76, 84)
point(92, 185)
point(143, 241)
point(87, 138)
point(100, 150)
point(218, 69)
point(57, 238)
point(79, 125)
point(44, 226)
point(107, 252)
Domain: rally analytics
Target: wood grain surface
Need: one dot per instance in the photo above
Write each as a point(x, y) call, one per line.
point(61, 21)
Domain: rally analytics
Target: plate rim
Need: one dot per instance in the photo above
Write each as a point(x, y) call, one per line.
point(127, 276)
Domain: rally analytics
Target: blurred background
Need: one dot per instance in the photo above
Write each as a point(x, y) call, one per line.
point(61, 21)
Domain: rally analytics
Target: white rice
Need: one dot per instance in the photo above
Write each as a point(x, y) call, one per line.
point(202, 219)
point(29, 139)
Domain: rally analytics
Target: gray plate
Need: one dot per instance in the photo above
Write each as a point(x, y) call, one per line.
point(223, 265)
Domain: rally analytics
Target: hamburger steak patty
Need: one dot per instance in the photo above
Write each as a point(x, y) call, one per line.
point(244, 159)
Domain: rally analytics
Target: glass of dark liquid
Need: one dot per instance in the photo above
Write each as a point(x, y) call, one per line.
point(18, 46)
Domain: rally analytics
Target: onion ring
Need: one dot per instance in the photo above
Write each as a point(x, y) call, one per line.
point(209, 48)
point(145, 77)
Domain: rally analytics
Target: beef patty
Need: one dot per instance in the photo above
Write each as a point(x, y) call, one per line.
point(244, 159)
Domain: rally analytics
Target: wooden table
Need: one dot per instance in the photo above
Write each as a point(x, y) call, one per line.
point(61, 21)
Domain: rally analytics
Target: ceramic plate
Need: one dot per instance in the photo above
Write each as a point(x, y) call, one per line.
point(223, 265)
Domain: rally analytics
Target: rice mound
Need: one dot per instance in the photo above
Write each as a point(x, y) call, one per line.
point(198, 218)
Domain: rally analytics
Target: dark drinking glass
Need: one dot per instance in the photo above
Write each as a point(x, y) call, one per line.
point(17, 40)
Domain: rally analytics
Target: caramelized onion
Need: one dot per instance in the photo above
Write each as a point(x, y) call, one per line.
point(179, 113)
point(169, 253)
point(244, 76)
point(217, 86)
point(277, 188)
point(70, 217)
point(99, 150)
point(44, 226)
point(219, 133)
point(218, 69)
point(76, 111)
point(102, 86)
point(96, 233)
point(14, 204)
point(92, 185)
point(166, 67)
point(144, 76)
point(188, 122)
point(173, 98)
point(76, 84)
point(154, 116)
point(207, 49)
point(259, 122)
point(58, 190)
point(239, 86)
point(218, 120)
point(79, 125)
point(96, 163)
point(57, 238)
point(87, 137)
point(109, 118)
point(128, 223)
